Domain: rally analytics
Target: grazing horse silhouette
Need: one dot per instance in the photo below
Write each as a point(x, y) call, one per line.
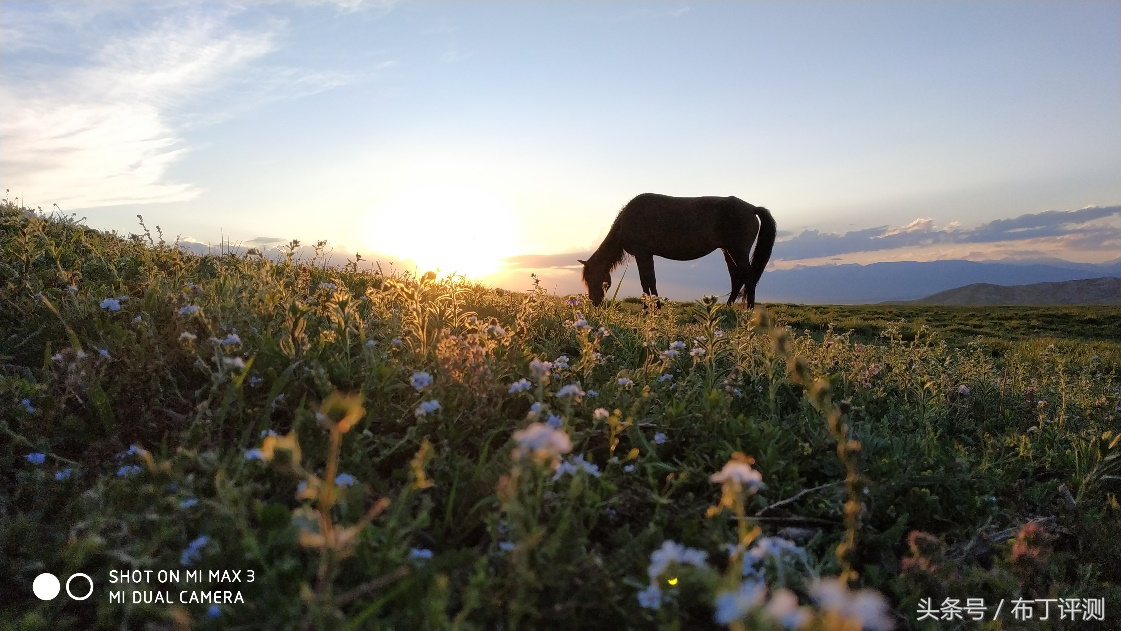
point(683, 229)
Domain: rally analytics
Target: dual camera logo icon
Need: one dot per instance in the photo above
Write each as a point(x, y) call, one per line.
point(46, 586)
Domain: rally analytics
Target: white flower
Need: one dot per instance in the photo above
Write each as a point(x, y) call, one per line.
point(732, 606)
point(541, 441)
point(234, 362)
point(328, 286)
point(601, 414)
point(697, 351)
point(571, 390)
point(650, 598)
point(420, 380)
point(426, 408)
point(111, 304)
point(740, 473)
point(521, 385)
point(784, 609)
point(867, 607)
point(539, 368)
point(189, 310)
point(187, 336)
point(672, 552)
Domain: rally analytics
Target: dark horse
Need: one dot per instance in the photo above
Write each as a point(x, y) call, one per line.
point(683, 229)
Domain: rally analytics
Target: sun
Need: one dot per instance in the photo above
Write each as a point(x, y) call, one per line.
point(445, 228)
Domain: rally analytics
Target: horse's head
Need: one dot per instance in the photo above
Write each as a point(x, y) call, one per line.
point(596, 281)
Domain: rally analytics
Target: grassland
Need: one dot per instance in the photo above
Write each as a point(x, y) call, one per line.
point(387, 452)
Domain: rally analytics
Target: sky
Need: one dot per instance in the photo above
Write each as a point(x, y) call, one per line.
point(500, 139)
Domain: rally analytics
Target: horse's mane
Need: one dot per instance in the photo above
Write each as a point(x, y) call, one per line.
point(609, 255)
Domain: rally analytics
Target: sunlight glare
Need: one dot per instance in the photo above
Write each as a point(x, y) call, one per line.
point(449, 229)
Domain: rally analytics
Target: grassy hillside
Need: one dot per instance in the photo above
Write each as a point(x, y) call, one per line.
point(394, 453)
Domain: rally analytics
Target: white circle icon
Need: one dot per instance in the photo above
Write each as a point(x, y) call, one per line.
point(46, 586)
point(72, 577)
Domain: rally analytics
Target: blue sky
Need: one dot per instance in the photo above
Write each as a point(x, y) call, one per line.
point(462, 135)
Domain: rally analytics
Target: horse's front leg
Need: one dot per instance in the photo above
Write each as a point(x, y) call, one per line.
point(646, 273)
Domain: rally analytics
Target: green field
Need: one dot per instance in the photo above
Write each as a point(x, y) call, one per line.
point(364, 446)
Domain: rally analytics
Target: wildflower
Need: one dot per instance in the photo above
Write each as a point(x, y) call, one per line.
point(255, 381)
point(650, 598)
point(329, 286)
point(581, 324)
point(697, 351)
point(625, 382)
point(561, 363)
point(660, 438)
point(371, 343)
point(866, 607)
point(541, 442)
point(420, 554)
point(601, 414)
point(739, 473)
point(783, 608)
point(129, 470)
point(734, 605)
point(506, 546)
point(396, 341)
point(104, 352)
point(189, 310)
point(427, 407)
point(573, 302)
point(628, 468)
point(677, 345)
point(190, 502)
point(521, 385)
point(36, 457)
point(670, 553)
point(254, 454)
point(137, 320)
point(540, 369)
point(187, 336)
point(592, 393)
point(111, 304)
point(214, 611)
point(963, 390)
point(576, 465)
point(26, 403)
point(555, 421)
point(63, 474)
point(344, 480)
point(234, 362)
point(420, 380)
point(193, 552)
point(670, 353)
point(131, 451)
point(232, 338)
point(535, 410)
point(664, 377)
point(571, 390)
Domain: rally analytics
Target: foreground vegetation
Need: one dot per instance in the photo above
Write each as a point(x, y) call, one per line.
point(392, 452)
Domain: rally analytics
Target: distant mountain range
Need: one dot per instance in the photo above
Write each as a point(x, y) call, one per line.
point(908, 280)
point(1094, 291)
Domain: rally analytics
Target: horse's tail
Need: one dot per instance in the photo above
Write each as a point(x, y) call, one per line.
point(765, 243)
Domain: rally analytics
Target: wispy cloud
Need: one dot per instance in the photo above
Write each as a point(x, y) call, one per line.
point(1086, 226)
point(95, 113)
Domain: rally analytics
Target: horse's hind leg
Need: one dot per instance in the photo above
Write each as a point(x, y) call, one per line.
point(735, 275)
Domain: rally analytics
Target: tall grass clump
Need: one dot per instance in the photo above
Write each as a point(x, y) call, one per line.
point(384, 450)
